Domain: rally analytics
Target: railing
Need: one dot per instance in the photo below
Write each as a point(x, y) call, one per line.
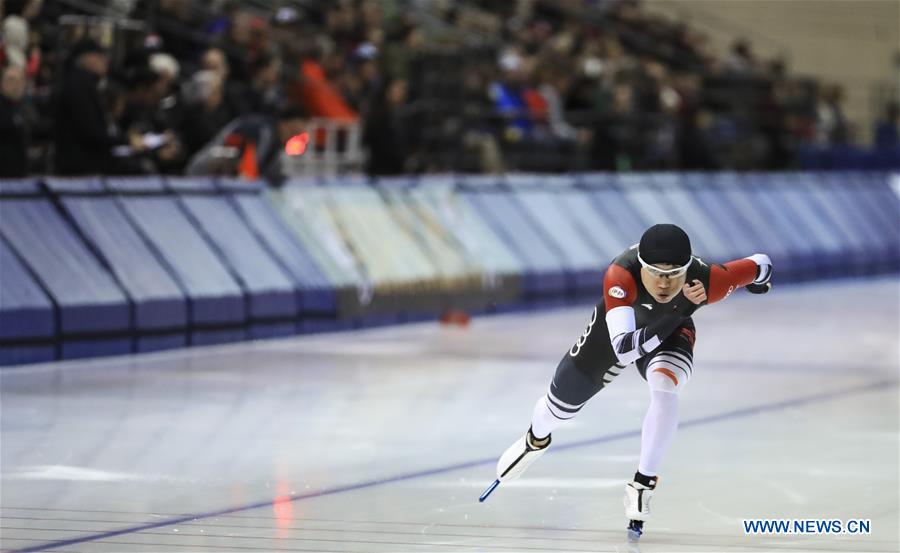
point(327, 147)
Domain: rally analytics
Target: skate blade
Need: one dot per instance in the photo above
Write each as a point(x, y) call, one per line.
point(635, 529)
point(488, 491)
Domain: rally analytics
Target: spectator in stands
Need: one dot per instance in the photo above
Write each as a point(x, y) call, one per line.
point(617, 138)
point(13, 126)
point(385, 131)
point(554, 86)
point(168, 69)
point(83, 145)
point(144, 88)
point(333, 59)
point(319, 95)
point(887, 132)
point(741, 60)
point(15, 40)
point(507, 94)
point(17, 15)
point(147, 117)
point(774, 127)
point(214, 59)
point(402, 45)
point(360, 81)
point(181, 24)
point(170, 157)
point(831, 125)
point(129, 153)
point(27, 9)
point(246, 40)
point(206, 111)
point(481, 151)
point(695, 143)
point(265, 94)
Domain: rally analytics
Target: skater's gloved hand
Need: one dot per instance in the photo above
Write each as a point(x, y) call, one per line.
point(759, 288)
point(763, 268)
point(692, 296)
point(694, 292)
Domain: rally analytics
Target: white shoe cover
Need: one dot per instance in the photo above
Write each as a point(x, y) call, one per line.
point(637, 501)
point(517, 458)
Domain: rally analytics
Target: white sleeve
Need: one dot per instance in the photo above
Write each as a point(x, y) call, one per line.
point(764, 265)
point(629, 343)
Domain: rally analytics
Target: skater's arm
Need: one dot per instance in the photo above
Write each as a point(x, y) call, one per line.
point(724, 279)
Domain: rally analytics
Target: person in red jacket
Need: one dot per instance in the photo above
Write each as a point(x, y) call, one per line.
point(650, 292)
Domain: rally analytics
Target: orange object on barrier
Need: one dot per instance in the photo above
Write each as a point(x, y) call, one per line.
point(248, 168)
point(455, 317)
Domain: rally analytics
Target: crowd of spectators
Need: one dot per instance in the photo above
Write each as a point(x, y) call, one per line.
point(183, 86)
point(479, 85)
point(610, 87)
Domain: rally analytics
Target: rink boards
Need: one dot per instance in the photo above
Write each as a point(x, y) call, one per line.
point(105, 266)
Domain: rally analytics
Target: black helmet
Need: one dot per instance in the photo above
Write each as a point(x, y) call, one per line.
point(665, 243)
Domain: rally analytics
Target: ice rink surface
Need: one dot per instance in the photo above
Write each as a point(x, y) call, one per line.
point(382, 440)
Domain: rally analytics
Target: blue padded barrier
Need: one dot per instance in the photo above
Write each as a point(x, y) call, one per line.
point(880, 194)
point(646, 195)
point(10, 188)
point(94, 314)
point(802, 246)
point(27, 319)
point(79, 282)
point(269, 291)
point(19, 187)
point(542, 276)
point(541, 197)
point(160, 307)
point(25, 310)
point(305, 208)
point(671, 196)
point(833, 249)
point(599, 233)
point(611, 203)
point(858, 252)
point(789, 201)
point(24, 352)
point(844, 157)
point(317, 298)
point(404, 279)
point(216, 302)
point(725, 218)
point(484, 253)
point(739, 218)
point(454, 282)
point(852, 197)
point(608, 236)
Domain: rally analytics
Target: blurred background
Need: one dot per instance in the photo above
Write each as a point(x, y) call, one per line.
point(180, 172)
point(391, 87)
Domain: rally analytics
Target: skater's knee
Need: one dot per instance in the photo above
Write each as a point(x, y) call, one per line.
point(668, 372)
point(664, 379)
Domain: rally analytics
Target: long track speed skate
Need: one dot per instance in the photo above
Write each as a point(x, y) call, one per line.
point(638, 494)
point(517, 457)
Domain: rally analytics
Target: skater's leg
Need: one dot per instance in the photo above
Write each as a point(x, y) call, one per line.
point(569, 391)
point(667, 371)
point(660, 425)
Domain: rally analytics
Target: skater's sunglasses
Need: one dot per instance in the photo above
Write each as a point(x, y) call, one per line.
point(669, 273)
